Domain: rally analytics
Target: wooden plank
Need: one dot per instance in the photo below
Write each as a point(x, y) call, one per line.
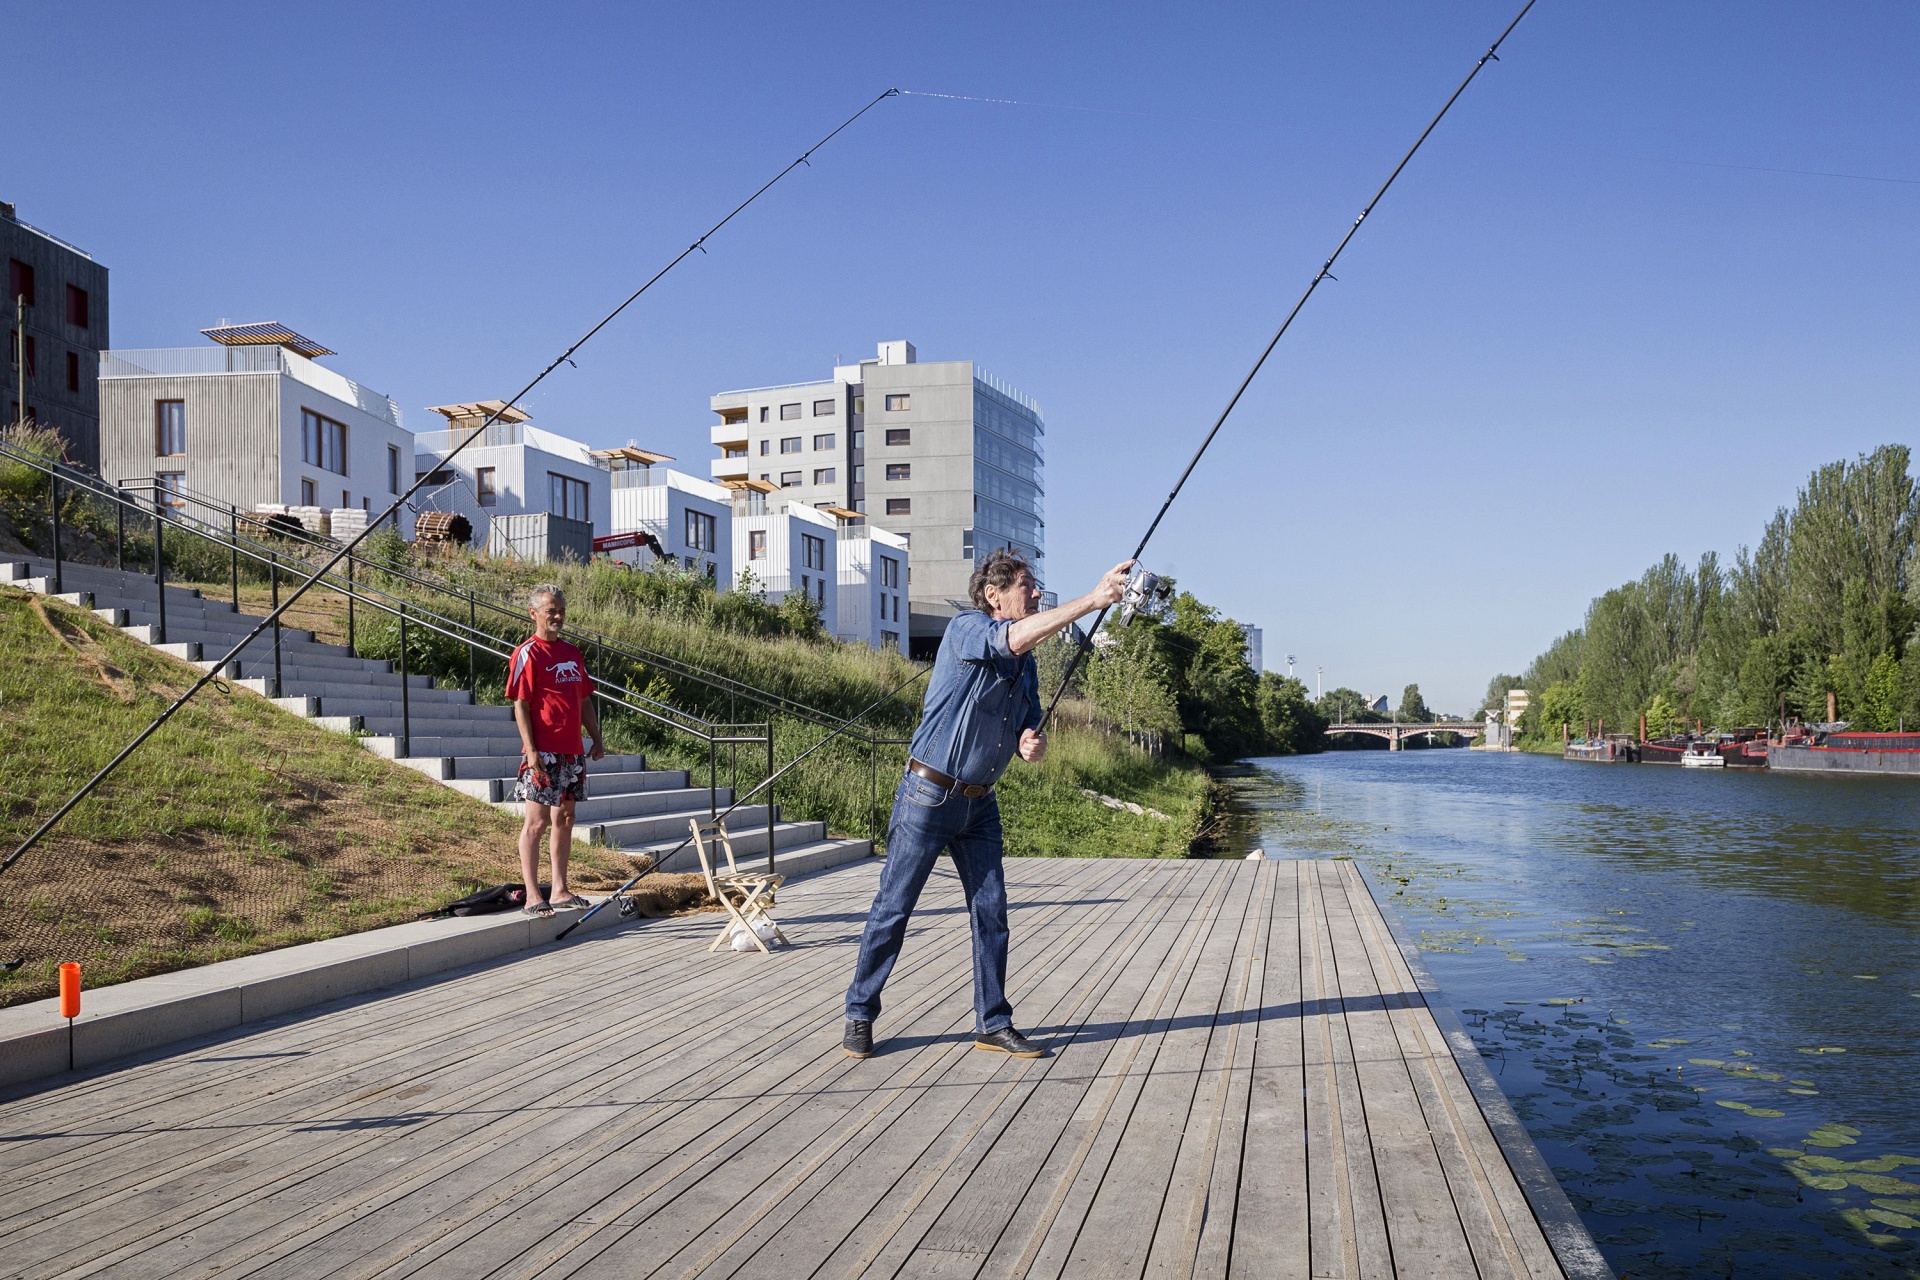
point(1347, 1231)
point(1136, 1191)
point(1423, 1222)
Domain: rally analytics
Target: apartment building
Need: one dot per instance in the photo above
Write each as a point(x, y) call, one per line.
point(252, 420)
point(691, 519)
point(56, 321)
point(514, 469)
point(874, 569)
point(941, 453)
point(784, 546)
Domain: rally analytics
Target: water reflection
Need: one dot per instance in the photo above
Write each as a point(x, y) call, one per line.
point(1700, 991)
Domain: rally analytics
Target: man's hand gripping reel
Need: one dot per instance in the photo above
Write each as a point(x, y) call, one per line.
point(1146, 596)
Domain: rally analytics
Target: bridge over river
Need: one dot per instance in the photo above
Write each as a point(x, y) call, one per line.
point(1395, 733)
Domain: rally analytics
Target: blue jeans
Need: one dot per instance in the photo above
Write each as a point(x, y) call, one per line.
point(927, 819)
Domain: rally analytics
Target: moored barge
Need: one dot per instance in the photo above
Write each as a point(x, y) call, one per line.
point(1847, 751)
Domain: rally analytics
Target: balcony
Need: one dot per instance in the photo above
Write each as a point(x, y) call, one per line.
point(499, 435)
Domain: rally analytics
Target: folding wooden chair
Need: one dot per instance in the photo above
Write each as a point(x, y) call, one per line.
point(747, 895)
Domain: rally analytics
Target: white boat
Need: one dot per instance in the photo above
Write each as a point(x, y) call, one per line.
point(1702, 755)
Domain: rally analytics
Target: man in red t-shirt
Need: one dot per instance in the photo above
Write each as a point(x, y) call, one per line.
point(547, 683)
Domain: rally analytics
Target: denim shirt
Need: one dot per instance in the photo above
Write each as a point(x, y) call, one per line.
point(979, 698)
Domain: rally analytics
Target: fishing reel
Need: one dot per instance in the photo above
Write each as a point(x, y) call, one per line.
point(1146, 595)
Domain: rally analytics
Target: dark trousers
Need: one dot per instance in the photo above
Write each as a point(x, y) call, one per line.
point(927, 819)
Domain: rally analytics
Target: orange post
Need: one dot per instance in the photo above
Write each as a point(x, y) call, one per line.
point(69, 990)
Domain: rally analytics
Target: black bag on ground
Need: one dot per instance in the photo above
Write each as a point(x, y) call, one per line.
point(506, 897)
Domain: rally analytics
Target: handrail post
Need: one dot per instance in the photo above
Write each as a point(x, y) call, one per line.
point(768, 800)
point(352, 652)
point(159, 569)
point(120, 536)
point(473, 629)
point(406, 709)
point(713, 777)
point(273, 575)
point(233, 549)
point(53, 508)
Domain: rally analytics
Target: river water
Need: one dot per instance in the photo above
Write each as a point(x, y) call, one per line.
point(1700, 990)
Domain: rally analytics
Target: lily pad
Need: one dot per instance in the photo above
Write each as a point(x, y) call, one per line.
point(1806, 1093)
point(1824, 1049)
point(1706, 1062)
point(1760, 1113)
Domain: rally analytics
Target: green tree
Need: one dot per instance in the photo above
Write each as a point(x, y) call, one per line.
point(1413, 707)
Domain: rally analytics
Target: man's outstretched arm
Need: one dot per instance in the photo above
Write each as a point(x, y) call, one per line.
point(1027, 634)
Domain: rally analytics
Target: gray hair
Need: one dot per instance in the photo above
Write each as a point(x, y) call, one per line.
point(546, 591)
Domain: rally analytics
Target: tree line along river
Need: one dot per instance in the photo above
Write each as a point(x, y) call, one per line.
point(1699, 990)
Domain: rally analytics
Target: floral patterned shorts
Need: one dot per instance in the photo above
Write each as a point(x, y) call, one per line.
point(551, 778)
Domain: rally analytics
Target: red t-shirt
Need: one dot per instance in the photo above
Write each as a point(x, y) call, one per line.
point(551, 678)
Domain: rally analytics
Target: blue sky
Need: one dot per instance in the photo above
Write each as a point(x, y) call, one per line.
point(1589, 326)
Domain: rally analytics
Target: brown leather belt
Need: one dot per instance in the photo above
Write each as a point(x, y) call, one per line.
point(940, 779)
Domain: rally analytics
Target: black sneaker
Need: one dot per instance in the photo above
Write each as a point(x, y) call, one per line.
point(858, 1042)
point(1007, 1040)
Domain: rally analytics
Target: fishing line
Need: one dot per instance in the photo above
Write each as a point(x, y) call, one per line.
point(1325, 273)
point(392, 510)
point(772, 778)
point(1064, 106)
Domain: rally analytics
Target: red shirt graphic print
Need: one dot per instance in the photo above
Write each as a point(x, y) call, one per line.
point(550, 676)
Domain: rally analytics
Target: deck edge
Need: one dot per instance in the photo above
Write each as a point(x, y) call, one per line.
point(1573, 1245)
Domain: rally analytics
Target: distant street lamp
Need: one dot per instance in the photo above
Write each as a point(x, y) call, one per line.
point(1289, 666)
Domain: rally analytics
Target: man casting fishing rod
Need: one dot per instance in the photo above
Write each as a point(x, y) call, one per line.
point(982, 705)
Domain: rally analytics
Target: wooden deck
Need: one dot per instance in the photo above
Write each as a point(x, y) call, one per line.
point(1247, 1083)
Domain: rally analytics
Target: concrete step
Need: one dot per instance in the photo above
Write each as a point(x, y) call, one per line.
point(450, 769)
point(420, 689)
point(749, 844)
point(424, 728)
point(143, 627)
point(387, 746)
point(634, 782)
point(612, 807)
point(377, 706)
point(654, 830)
point(257, 660)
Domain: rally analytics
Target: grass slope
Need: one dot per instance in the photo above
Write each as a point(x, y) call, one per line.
point(235, 829)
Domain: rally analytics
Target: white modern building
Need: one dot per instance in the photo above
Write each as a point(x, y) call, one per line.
point(786, 546)
point(515, 468)
point(1254, 639)
point(942, 453)
point(251, 421)
point(689, 518)
point(873, 583)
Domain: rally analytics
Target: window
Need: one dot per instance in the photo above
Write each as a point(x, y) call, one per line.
point(763, 413)
point(823, 442)
point(823, 408)
point(76, 307)
point(820, 591)
point(899, 471)
point(734, 451)
point(896, 403)
point(19, 281)
point(899, 506)
point(567, 497)
point(859, 439)
point(73, 370)
point(813, 551)
point(860, 475)
point(889, 639)
point(346, 499)
point(484, 487)
point(766, 447)
point(823, 475)
point(889, 572)
point(788, 412)
point(169, 427)
point(700, 531)
point(308, 498)
point(899, 435)
point(790, 444)
point(756, 544)
point(393, 469)
point(443, 475)
point(323, 442)
point(859, 404)
point(789, 479)
point(167, 489)
point(806, 585)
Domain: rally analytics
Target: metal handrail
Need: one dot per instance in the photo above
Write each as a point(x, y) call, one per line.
point(674, 666)
point(166, 516)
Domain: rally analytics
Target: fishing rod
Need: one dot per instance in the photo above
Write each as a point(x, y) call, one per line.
point(1145, 593)
point(772, 778)
point(392, 511)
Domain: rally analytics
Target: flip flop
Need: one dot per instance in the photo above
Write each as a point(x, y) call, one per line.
point(538, 910)
point(572, 902)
